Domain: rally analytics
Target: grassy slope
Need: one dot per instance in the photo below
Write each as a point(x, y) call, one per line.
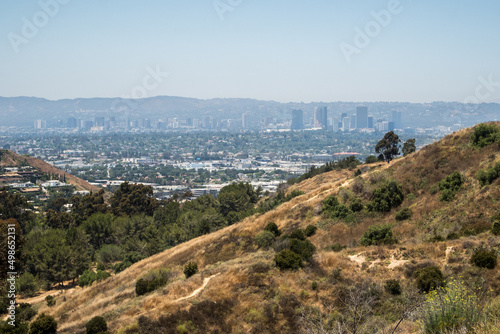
point(231, 252)
point(11, 159)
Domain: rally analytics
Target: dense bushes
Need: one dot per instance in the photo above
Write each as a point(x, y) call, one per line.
point(153, 280)
point(89, 276)
point(272, 227)
point(303, 248)
point(96, 325)
point(190, 269)
point(484, 258)
point(495, 228)
point(378, 235)
point(44, 324)
point(486, 177)
point(450, 186)
point(334, 209)
point(484, 135)
point(310, 230)
point(50, 300)
point(286, 259)
point(403, 214)
point(265, 239)
point(429, 278)
point(393, 287)
point(388, 196)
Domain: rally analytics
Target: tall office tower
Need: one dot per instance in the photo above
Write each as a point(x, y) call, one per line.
point(343, 115)
point(336, 124)
point(370, 122)
point(40, 124)
point(99, 121)
point(396, 119)
point(346, 124)
point(390, 126)
point(353, 122)
point(361, 117)
point(72, 122)
point(297, 120)
point(245, 121)
point(321, 117)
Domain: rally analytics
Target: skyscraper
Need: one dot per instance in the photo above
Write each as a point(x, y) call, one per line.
point(321, 117)
point(361, 117)
point(297, 119)
point(396, 119)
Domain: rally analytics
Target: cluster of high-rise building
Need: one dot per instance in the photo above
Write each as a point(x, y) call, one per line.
point(360, 120)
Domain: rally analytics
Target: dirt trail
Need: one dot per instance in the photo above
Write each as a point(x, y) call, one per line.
point(197, 291)
point(41, 297)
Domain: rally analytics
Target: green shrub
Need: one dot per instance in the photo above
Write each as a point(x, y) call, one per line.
point(265, 239)
point(378, 235)
point(371, 159)
point(484, 135)
point(100, 266)
point(330, 204)
point(286, 259)
point(484, 258)
point(340, 212)
point(310, 230)
point(151, 281)
point(298, 234)
point(451, 185)
point(293, 194)
point(27, 284)
point(356, 205)
point(336, 247)
point(314, 286)
point(51, 301)
point(388, 196)
point(25, 312)
point(190, 269)
point(434, 189)
point(453, 236)
point(495, 228)
point(121, 266)
point(96, 325)
point(304, 248)
point(393, 287)
point(89, 276)
point(44, 324)
point(404, 214)
point(273, 228)
point(486, 177)
point(429, 278)
point(451, 310)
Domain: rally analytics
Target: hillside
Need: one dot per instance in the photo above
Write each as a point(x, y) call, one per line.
point(240, 290)
point(11, 159)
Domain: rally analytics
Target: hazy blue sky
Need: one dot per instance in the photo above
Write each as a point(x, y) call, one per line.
point(283, 50)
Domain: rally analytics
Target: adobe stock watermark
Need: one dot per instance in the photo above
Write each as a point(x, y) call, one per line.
point(30, 28)
point(224, 6)
point(151, 81)
point(484, 90)
point(371, 30)
point(11, 274)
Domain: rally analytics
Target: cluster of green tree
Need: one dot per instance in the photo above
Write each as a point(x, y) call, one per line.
point(349, 162)
point(450, 186)
point(486, 177)
point(485, 134)
point(388, 196)
point(388, 147)
point(61, 246)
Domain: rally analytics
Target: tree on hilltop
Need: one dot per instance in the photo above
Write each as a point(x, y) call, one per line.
point(388, 147)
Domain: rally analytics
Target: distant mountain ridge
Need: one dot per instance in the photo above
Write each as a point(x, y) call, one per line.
point(22, 111)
